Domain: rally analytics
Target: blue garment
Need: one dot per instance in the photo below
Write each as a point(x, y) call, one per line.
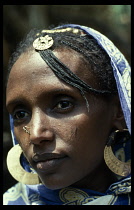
point(118, 193)
point(20, 194)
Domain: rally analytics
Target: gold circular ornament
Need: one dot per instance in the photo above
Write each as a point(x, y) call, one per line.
point(43, 43)
point(16, 170)
point(118, 167)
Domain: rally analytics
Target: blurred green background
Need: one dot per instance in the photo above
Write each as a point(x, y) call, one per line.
point(114, 21)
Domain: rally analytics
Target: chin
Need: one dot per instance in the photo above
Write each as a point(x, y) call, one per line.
point(55, 183)
point(54, 186)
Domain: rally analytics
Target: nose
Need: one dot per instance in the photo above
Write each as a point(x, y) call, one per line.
point(40, 128)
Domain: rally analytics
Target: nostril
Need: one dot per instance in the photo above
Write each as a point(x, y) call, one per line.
point(39, 142)
point(44, 141)
point(39, 137)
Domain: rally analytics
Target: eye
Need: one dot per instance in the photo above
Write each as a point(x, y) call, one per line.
point(20, 115)
point(64, 106)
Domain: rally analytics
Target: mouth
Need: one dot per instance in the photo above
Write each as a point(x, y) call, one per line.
point(47, 162)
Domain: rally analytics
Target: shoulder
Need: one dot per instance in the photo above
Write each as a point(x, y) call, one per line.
point(16, 195)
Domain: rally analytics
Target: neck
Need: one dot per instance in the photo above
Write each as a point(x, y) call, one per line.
point(99, 180)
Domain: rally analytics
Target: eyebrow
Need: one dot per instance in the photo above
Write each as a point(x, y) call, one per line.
point(15, 102)
point(23, 101)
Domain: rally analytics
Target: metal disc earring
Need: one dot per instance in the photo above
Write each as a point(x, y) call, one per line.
point(17, 171)
point(115, 165)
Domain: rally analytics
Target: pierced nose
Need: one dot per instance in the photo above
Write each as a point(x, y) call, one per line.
point(25, 128)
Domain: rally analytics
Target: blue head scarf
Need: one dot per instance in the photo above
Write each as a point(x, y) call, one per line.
point(122, 75)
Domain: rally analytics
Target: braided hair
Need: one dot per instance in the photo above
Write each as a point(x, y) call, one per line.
point(93, 56)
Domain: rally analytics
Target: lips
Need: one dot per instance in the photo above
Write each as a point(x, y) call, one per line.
point(47, 156)
point(48, 161)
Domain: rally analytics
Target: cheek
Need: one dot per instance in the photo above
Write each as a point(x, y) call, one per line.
point(67, 131)
point(83, 145)
point(74, 130)
point(84, 134)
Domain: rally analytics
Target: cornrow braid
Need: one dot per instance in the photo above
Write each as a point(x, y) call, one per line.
point(67, 43)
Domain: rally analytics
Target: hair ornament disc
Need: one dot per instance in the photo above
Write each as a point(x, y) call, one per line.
point(43, 43)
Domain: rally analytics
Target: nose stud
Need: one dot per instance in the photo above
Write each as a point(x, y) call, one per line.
point(25, 129)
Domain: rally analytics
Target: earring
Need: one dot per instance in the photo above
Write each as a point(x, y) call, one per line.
point(115, 165)
point(16, 170)
point(25, 129)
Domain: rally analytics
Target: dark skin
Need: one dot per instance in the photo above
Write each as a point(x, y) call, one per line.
point(60, 122)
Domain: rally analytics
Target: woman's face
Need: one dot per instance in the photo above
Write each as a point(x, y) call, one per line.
point(66, 142)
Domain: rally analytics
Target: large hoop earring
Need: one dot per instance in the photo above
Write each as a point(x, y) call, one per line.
point(16, 170)
point(118, 167)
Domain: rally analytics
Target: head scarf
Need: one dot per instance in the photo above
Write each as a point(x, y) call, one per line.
point(122, 75)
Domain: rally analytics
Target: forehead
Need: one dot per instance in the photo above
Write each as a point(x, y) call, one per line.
point(29, 63)
point(30, 69)
point(32, 63)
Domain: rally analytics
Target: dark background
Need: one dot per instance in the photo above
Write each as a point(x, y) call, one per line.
point(114, 21)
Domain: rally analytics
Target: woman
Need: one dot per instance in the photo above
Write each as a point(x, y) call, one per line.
point(68, 96)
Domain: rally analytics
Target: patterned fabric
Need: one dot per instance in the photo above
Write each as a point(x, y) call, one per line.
point(20, 194)
point(118, 193)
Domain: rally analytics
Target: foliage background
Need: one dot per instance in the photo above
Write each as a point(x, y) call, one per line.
point(114, 21)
